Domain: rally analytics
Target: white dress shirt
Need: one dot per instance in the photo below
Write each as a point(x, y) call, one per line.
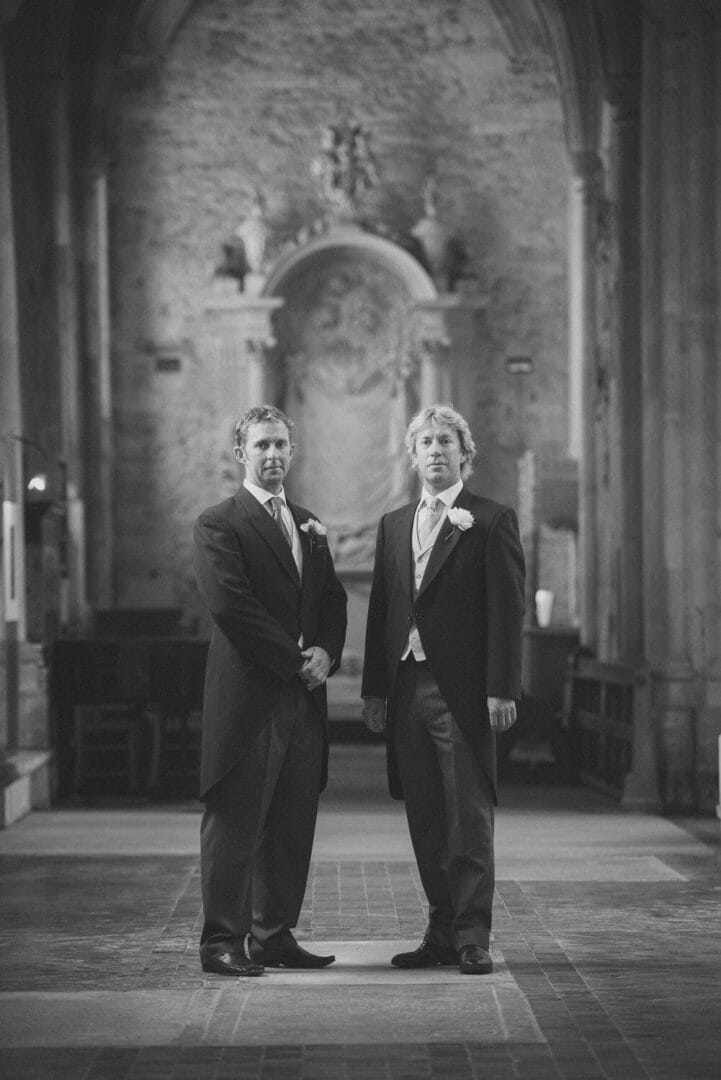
point(421, 554)
point(264, 497)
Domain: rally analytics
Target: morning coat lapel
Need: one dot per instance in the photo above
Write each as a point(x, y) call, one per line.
point(446, 542)
point(403, 547)
point(264, 525)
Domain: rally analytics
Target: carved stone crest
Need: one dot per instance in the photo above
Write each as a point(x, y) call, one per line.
point(345, 169)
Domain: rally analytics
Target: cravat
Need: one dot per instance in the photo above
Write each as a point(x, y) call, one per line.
point(276, 503)
point(432, 511)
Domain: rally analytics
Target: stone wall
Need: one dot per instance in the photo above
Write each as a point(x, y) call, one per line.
point(240, 101)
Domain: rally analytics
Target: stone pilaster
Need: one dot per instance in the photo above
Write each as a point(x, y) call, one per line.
point(433, 346)
point(72, 582)
point(625, 158)
point(641, 787)
point(584, 195)
point(241, 331)
point(434, 336)
point(98, 388)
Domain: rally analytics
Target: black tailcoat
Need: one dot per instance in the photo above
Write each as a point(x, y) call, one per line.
point(468, 610)
point(260, 608)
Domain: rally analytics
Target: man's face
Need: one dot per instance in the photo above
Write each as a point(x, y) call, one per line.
point(438, 456)
point(267, 454)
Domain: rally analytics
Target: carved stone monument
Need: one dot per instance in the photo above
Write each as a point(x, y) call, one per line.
point(350, 333)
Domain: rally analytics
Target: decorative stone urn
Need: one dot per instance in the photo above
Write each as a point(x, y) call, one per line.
point(442, 252)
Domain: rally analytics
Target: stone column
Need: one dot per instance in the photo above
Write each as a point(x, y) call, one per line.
point(585, 189)
point(641, 786)
point(572, 30)
point(680, 335)
point(98, 388)
point(11, 427)
point(702, 408)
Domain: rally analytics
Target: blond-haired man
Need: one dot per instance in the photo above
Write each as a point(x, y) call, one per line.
point(442, 670)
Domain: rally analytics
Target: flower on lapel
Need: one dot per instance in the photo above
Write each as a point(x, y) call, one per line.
point(460, 519)
point(314, 530)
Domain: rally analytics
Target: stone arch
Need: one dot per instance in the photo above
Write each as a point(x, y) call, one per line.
point(386, 253)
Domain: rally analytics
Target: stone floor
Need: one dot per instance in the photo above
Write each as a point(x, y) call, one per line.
point(607, 948)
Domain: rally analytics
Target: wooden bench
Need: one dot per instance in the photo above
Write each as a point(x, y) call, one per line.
point(607, 716)
point(129, 707)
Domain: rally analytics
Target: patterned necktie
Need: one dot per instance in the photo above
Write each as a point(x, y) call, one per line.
point(276, 503)
point(432, 511)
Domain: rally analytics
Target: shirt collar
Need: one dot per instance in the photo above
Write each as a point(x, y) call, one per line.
point(261, 494)
point(448, 496)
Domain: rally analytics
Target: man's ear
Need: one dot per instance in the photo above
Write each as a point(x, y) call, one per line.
point(239, 455)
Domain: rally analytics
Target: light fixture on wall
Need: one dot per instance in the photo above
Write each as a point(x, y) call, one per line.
point(38, 482)
point(45, 489)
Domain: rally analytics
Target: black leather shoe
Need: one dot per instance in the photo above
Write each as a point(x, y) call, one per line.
point(235, 963)
point(288, 956)
point(426, 955)
point(474, 960)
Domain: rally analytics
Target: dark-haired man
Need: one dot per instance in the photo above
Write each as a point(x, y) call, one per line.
point(279, 617)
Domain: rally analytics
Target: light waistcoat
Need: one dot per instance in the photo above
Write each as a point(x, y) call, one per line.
point(421, 554)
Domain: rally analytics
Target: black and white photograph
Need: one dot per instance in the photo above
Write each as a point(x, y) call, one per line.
point(360, 588)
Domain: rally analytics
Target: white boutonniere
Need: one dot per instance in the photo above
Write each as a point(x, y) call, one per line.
point(314, 530)
point(460, 519)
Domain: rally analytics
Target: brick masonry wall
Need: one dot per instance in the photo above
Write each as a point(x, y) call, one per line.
point(239, 101)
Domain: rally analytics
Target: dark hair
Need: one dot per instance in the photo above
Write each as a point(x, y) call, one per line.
point(446, 415)
point(260, 414)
